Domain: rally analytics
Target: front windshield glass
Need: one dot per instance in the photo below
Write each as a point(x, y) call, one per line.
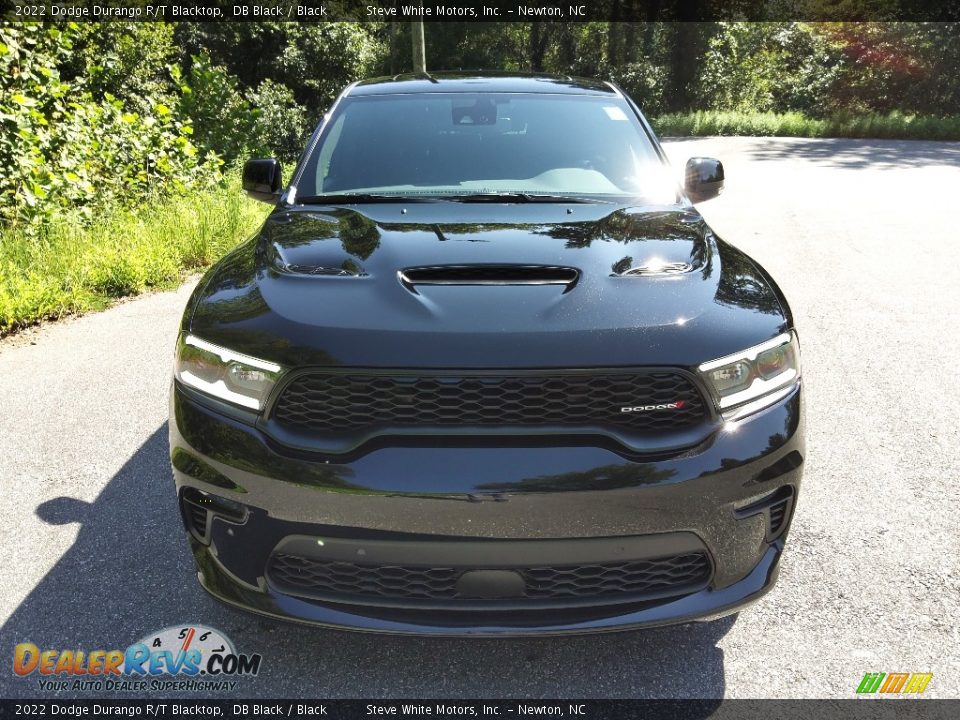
point(468, 144)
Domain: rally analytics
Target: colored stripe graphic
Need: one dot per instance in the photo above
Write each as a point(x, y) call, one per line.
point(870, 682)
point(894, 683)
point(914, 683)
point(918, 682)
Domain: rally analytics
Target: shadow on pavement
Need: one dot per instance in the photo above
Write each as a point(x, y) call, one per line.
point(129, 573)
point(858, 154)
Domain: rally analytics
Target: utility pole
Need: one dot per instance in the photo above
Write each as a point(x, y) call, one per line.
point(419, 51)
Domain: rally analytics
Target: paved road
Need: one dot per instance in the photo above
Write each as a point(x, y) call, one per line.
point(863, 241)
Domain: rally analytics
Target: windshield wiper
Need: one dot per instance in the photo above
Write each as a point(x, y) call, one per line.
point(358, 198)
point(519, 197)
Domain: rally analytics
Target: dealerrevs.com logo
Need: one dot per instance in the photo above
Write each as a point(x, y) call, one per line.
point(191, 657)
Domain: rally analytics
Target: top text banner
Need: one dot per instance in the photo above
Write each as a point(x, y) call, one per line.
point(476, 10)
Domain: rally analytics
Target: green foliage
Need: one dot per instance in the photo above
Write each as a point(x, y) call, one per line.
point(737, 122)
point(910, 67)
point(126, 60)
point(314, 60)
point(461, 45)
point(221, 117)
point(769, 67)
point(319, 59)
point(893, 125)
point(62, 150)
point(70, 267)
point(234, 123)
point(280, 124)
point(822, 69)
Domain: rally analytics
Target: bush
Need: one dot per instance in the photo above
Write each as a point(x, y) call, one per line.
point(770, 67)
point(128, 60)
point(234, 124)
point(211, 99)
point(314, 60)
point(280, 124)
point(61, 150)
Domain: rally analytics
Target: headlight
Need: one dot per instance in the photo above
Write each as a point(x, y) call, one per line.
point(223, 373)
point(755, 378)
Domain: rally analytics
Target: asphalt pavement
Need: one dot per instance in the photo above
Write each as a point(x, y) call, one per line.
point(862, 239)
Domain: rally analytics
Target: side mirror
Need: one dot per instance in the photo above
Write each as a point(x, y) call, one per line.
point(703, 178)
point(262, 178)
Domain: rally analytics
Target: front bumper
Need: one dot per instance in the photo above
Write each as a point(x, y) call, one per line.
point(511, 508)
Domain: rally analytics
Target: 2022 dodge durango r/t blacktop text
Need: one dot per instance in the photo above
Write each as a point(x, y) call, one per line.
point(485, 369)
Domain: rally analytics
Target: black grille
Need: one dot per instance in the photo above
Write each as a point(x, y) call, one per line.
point(639, 576)
point(344, 402)
point(348, 579)
point(197, 519)
point(631, 580)
point(778, 516)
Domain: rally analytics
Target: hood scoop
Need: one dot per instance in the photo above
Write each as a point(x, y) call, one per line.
point(281, 261)
point(652, 268)
point(321, 270)
point(487, 274)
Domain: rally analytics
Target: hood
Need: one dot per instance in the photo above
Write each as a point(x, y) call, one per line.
point(487, 285)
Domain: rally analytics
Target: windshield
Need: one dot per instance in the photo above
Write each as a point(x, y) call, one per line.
point(434, 144)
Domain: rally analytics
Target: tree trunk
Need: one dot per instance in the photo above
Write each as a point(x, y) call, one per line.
point(538, 46)
point(419, 51)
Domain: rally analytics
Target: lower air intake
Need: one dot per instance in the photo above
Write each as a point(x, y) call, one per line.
point(628, 581)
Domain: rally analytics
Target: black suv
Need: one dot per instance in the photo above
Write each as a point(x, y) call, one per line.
point(485, 369)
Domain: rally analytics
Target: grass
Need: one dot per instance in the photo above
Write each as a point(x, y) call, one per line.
point(70, 267)
point(893, 125)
